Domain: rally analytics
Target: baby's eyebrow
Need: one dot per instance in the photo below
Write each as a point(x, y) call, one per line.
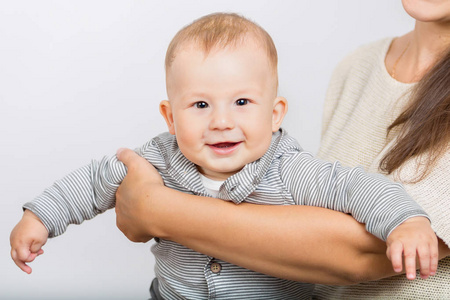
point(196, 95)
point(245, 92)
point(249, 93)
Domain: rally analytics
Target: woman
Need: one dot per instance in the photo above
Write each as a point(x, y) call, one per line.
point(317, 245)
point(417, 116)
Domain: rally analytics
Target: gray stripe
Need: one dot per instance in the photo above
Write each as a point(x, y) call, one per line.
point(285, 175)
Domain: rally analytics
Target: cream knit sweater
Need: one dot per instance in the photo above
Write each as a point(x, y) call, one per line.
point(361, 102)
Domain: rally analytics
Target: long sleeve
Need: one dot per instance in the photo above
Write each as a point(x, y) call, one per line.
point(91, 190)
point(79, 196)
point(370, 198)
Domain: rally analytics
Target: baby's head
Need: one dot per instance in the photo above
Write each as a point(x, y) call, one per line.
point(222, 31)
point(221, 79)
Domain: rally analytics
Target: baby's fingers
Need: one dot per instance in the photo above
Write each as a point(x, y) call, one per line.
point(428, 259)
point(22, 256)
point(19, 258)
point(423, 254)
point(395, 255)
point(434, 256)
point(410, 262)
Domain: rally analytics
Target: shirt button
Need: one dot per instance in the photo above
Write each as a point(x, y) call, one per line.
point(216, 267)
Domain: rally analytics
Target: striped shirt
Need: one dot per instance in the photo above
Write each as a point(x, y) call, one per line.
point(285, 175)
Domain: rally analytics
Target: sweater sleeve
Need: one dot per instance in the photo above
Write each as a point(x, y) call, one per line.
point(370, 198)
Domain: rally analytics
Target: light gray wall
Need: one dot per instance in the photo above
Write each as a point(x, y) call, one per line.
point(79, 79)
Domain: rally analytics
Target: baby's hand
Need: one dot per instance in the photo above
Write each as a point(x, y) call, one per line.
point(27, 238)
point(413, 237)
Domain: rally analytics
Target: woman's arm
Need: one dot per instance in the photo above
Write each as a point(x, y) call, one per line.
point(300, 243)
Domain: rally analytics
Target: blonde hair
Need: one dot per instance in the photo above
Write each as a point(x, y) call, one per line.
point(221, 30)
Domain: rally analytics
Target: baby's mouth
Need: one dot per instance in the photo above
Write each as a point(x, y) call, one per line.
point(224, 145)
point(225, 148)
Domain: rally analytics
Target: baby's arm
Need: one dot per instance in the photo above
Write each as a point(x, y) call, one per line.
point(27, 239)
point(79, 196)
point(371, 199)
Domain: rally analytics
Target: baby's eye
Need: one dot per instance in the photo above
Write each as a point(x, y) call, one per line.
point(241, 102)
point(201, 104)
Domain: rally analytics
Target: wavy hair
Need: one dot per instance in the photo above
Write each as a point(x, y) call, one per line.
point(425, 124)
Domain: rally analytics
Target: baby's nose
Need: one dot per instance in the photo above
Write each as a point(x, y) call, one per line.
point(222, 119)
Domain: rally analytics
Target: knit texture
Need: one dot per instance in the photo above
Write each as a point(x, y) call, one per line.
point(361, 102)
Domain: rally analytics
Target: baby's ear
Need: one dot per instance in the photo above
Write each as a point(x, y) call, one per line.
point(166, 111)
point(280, 108)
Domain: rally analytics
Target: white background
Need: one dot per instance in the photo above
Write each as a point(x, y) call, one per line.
point(79, 79)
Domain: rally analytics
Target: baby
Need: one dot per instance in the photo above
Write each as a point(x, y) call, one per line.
point(225, 141)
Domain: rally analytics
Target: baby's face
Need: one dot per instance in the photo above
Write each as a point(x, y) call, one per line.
point(222, 107)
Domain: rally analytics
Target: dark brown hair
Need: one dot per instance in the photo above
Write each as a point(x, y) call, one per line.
point(425, 123)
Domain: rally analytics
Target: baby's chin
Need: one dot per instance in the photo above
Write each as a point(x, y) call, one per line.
point(219, 174)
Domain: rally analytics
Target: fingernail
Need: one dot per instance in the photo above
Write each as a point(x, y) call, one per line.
point(119, 151)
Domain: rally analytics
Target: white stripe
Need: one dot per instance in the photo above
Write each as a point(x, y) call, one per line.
point(285, 175)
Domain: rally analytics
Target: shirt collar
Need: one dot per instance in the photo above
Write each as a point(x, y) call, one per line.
point(237, 187)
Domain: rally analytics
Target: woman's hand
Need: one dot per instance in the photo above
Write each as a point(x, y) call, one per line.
point(133, 198)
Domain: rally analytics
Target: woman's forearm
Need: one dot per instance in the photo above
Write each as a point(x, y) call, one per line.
point(293, 242)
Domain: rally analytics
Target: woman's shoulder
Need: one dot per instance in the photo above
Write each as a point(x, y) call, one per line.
point(365, 56)
point(350, 79)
